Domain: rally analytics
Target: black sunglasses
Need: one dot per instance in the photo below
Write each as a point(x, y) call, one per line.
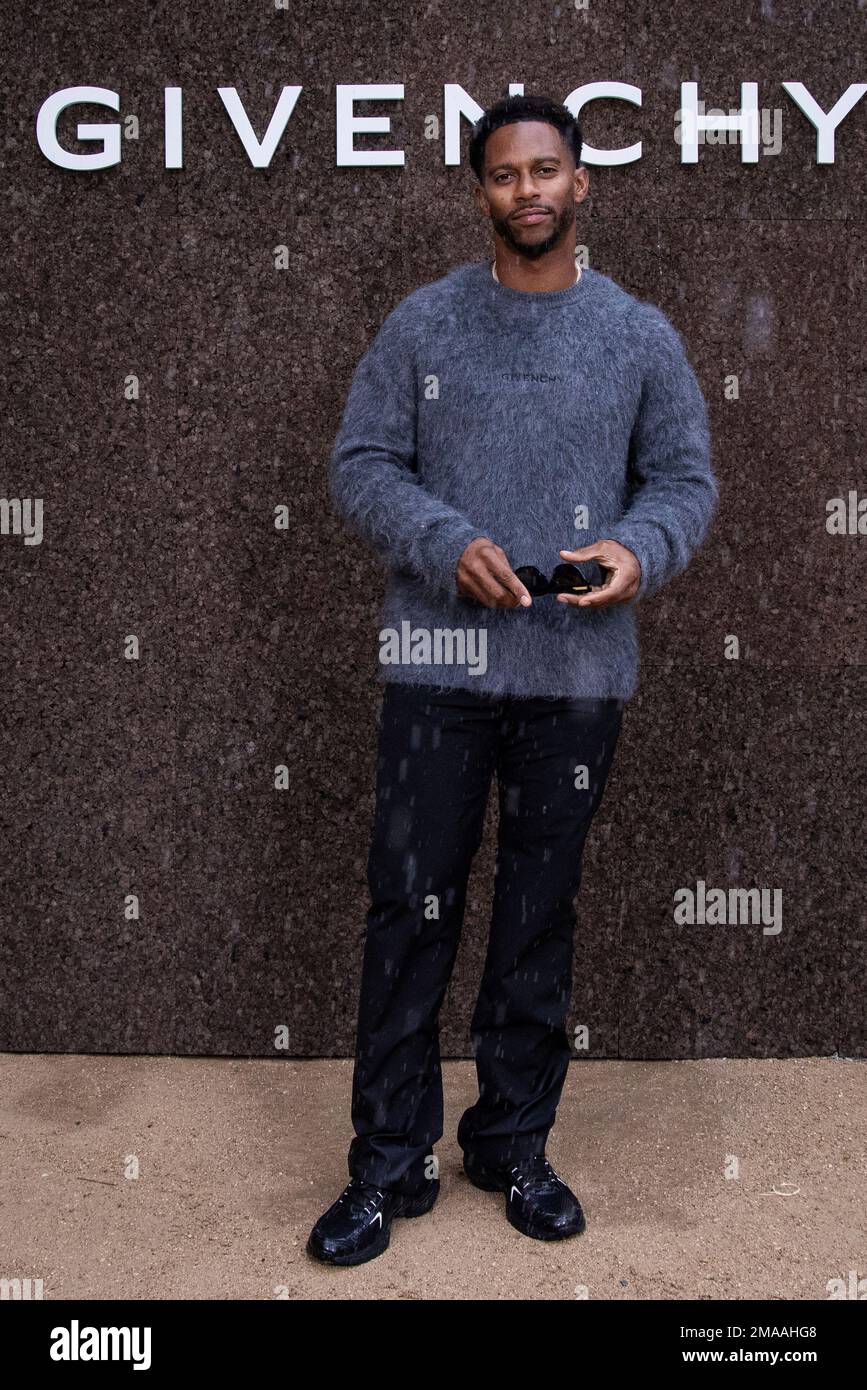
point(567, 578)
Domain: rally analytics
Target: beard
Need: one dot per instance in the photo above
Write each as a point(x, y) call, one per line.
point(532, 250)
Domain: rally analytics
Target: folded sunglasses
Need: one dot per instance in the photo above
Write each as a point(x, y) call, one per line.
point(567, 578)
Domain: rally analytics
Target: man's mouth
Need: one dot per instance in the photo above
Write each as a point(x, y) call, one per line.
point(530, 215)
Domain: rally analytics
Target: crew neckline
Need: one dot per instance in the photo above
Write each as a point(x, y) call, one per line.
point(503, 293)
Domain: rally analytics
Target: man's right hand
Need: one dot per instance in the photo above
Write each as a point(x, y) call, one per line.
point(484, 573)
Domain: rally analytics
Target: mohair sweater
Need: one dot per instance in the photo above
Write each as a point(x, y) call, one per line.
point(481, 410)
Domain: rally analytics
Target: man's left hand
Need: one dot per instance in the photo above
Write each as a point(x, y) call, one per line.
point(621, 580)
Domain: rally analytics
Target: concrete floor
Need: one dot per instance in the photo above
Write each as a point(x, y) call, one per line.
point(236, 1159)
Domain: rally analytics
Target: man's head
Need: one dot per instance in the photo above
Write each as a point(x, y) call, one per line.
point(526, 153)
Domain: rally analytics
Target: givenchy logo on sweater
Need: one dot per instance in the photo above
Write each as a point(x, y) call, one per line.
point(528, 376)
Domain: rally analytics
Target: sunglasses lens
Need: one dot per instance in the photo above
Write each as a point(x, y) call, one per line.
point(533, 581)
point(568, 579)
point(593, 573)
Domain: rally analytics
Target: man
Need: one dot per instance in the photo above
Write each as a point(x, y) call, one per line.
point(498, 410)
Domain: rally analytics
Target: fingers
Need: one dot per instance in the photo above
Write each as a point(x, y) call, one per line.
point(512, 584)
point(616, 589)
point(622, 574)
point(488, 577)
point(589, 552)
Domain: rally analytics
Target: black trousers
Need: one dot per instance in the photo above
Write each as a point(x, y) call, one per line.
point(438, 750)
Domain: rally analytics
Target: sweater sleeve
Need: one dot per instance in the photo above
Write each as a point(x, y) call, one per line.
point(373, 469)
point(676, 495)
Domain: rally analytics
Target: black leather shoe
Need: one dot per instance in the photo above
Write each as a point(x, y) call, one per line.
point(538, 1202)
point(357, 1227)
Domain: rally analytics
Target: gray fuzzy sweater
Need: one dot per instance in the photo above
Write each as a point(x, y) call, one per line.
point(544, 421)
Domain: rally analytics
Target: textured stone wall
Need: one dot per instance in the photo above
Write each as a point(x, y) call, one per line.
point(195, 618)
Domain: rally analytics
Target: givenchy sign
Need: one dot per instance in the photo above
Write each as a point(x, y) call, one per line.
point(692, 123)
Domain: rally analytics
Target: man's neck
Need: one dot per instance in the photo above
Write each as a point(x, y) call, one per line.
point(543, 281)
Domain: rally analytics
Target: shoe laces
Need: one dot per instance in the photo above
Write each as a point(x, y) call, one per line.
point(361, 1194)
point(537, 1174)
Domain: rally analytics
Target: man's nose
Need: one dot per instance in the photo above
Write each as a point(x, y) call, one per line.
point(526, 186)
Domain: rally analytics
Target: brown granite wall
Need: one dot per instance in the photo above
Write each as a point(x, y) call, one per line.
point(167, 389)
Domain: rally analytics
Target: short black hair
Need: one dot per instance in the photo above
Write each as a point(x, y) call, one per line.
point(533, 108)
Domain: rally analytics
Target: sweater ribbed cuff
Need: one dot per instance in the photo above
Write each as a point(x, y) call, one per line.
point(644, 541)
point(443, 547)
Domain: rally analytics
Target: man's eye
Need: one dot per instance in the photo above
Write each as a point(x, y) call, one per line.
point(546, 168)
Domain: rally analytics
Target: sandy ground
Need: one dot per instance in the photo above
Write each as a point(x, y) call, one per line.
point(235, 1159)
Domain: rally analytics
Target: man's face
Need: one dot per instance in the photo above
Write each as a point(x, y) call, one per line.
point(528, 166)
